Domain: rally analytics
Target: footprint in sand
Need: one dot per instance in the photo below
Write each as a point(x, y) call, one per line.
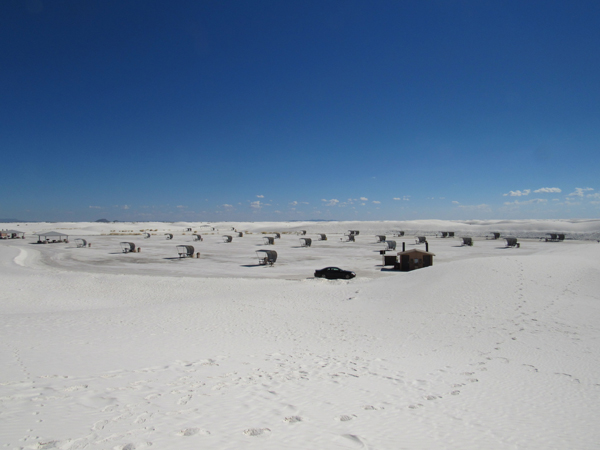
point(256, 431)
point(293, 419)
point(345, 418)
point(76, 388)
point(183, 400)
point(142, 418)
point(100, 425)
point(575, 380)
point(192, 432)
point(354, 439)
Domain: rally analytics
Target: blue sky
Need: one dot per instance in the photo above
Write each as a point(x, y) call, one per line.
point(271, 110)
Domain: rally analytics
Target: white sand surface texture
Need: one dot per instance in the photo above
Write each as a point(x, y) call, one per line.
point(490, 348)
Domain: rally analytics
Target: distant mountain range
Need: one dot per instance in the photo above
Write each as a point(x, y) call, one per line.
point(14, 220)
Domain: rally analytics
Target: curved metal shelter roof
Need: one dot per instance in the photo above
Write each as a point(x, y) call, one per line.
point(227, 238)
point(305, 242)
point(266, 256)
point(169, 236)
point(185, 251)
point(128, 247)
point(269, 240)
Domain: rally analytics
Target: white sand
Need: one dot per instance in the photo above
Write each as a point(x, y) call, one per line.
point(491, 348)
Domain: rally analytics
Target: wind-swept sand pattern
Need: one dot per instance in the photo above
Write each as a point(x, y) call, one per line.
point(499, 349)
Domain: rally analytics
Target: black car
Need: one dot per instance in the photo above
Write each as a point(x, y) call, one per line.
point(333, 273)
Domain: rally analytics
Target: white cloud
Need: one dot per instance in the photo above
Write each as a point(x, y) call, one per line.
point(294, 203)
point(527, 202)
point(579, 192)
point(364, 199)
point(331, 202)
point(225, 205)
point(518, 193)
point(481, 207)
point(256, 205)
point(126, 206)
point(181, 206)
point(406, 198)
point(95, 207)
point(594, 195)
point(547, 190)
point(455, 202)
point(377, 202)
point(260, 196)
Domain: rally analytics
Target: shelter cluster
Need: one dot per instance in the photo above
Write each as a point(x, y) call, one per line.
point(404, 260)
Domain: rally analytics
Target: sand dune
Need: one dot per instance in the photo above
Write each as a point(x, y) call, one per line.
point(490, 348)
